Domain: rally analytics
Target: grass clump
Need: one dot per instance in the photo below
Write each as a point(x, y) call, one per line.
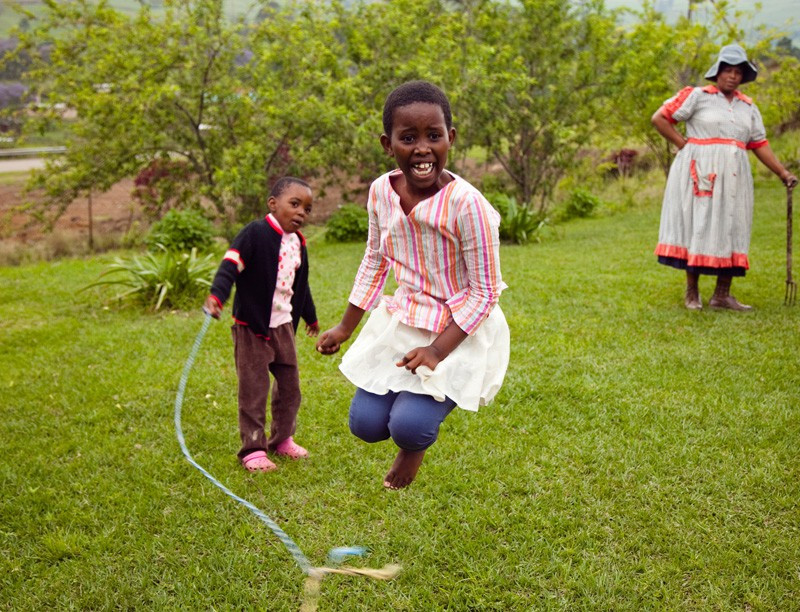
point(181, 231)
point(170, 279)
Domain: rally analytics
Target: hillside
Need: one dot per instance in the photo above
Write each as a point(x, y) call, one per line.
point(776, 13)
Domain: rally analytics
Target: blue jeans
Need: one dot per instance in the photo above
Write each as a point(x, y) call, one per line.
point(410, 419)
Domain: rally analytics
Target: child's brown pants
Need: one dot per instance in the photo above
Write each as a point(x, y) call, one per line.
point(255, 357)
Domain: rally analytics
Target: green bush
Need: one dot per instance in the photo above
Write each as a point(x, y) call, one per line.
point(348, 224)
point(181, 230)
point(581, 203)
point(169, 279)
point(518, 224)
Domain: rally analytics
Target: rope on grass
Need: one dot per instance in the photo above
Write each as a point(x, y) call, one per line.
point(314, 575)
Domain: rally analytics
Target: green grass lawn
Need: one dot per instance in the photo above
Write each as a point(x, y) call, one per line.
point(639, 456)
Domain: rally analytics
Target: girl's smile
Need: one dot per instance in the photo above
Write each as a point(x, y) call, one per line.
point(419, 142)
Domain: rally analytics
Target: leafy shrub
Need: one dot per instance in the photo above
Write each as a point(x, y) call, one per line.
point(348, 224)
point(581, 203)
point(181, 230)
point(165, 184)
point(518, 224)
point(169, 279)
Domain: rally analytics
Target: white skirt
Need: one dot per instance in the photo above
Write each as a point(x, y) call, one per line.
point(471, 375)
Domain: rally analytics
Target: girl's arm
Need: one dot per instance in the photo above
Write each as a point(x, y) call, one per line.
point(331, 341)
point(667, 130)
point(767, 157)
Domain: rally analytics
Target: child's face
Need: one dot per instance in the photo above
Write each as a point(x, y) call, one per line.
point(292, 207)
point(419, 142)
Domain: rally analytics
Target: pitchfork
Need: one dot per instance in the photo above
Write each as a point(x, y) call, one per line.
point(791, 287)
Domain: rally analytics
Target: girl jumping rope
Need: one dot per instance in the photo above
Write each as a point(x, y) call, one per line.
point(441, 340)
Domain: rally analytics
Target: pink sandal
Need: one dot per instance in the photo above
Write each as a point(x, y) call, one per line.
point(257, 461)
point(288, 448)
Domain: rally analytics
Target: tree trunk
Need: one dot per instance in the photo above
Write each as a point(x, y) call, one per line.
point(91, 225)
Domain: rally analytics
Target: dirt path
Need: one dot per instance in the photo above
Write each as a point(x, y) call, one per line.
point(113, 212)
point(20, 165)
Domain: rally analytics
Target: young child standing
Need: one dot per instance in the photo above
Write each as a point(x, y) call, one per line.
point(269, 264)
point(441, 340)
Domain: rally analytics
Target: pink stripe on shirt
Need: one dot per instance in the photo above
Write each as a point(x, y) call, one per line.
point(445, 256)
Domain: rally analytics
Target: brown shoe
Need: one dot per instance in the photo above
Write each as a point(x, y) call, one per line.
point(728, 302)
point(692, 300)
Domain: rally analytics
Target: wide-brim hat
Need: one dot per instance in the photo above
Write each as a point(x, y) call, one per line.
point(733, 55)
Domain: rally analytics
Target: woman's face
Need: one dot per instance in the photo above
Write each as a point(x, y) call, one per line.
point(729, 78)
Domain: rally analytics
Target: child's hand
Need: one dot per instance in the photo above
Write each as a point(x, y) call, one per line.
point(424, 355)
point(312, 330)
point(212, 307)
point(331, 341)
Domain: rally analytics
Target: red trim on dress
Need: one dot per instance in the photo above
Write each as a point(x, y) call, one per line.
point(671, 107)
point(665, 114)
point(737, 260)
point(695, 182)
point(758, 144)
point(216, 299)
point(715, 141)
point(713, 89)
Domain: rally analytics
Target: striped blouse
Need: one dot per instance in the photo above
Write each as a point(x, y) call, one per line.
point(445, 255)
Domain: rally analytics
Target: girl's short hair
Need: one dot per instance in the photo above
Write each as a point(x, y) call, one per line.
point(282, 183)
point(411, 92)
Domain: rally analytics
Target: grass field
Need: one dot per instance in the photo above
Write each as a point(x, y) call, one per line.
point(639, 456)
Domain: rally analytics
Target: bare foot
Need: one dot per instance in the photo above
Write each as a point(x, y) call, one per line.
point(404, 469)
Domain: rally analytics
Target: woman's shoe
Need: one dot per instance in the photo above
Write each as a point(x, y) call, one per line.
point(692, 300)
point(728, 302)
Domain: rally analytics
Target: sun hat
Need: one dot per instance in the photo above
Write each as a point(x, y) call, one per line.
point(733, 55)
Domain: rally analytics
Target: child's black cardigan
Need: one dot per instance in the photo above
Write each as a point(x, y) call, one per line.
point(258, 246)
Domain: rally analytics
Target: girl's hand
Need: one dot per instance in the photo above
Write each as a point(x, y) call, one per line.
point(790, 180)
point(331, 341)
point(424, 355)
point(312, 330)
point(212, 307)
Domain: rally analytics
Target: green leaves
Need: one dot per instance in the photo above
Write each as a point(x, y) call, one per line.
point(300, 90)
point(170, 279)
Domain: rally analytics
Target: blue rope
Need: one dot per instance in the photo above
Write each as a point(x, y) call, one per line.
point(293, 548)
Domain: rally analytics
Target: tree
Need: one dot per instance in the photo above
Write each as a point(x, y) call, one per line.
point(178, 87)
point(535, 85)
point(656, 59)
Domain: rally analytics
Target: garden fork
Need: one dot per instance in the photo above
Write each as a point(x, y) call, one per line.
point(790, 296)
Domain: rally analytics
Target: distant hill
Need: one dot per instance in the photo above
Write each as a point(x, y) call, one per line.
point(780, 14)
point(775, 13)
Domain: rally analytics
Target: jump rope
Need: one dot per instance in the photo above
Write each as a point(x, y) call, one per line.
point(314, 575)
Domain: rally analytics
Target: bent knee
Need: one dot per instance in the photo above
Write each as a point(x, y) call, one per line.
point(410, 438)
point(368, 430)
